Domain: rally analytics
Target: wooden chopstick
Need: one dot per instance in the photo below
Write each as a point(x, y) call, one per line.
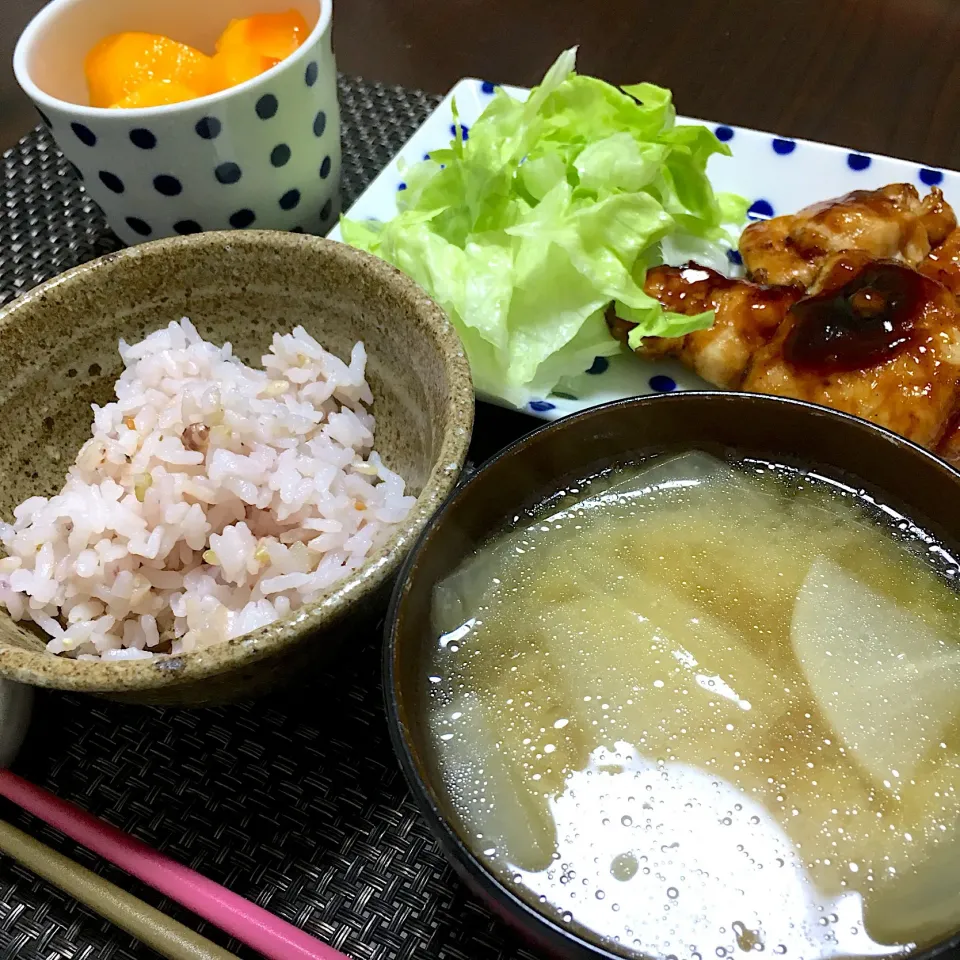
point(165, 935)
point(268, 934)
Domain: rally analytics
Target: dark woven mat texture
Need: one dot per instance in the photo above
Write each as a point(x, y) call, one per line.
point(294, 801)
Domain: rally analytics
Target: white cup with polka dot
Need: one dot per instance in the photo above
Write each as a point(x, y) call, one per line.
point(264, 154)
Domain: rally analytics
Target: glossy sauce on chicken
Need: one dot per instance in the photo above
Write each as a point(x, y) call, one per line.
point(697, 710)
point(865, 321)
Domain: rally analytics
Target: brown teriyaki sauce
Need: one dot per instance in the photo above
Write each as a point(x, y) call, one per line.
point(864, 322)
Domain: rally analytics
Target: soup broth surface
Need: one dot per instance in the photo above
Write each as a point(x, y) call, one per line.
point(694, 709)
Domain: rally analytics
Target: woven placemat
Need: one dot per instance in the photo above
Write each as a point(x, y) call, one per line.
point(294, 801)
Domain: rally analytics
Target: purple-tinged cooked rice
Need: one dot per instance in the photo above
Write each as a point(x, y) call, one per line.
point(212, 499)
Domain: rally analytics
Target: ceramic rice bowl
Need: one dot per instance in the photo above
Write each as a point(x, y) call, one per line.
point(58, 344)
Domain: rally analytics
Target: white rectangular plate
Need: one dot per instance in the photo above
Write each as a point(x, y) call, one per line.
point(778, 175)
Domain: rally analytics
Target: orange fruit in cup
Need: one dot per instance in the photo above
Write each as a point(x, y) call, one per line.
point(147, 70)
point(234, 65)
point(157, 93)
point(272, 35)
point(120, 64)
point(254, 44)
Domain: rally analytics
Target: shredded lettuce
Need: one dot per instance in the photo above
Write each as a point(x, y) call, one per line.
point(550, 211)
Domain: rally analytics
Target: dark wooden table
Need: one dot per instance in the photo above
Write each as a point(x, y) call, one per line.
point(876, 75)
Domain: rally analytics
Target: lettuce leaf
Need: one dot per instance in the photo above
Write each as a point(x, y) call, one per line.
point(552, 210)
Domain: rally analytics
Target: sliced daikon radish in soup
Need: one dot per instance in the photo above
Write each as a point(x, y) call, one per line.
point(682, 471)
point(916, 890)
point(457, 595)
point(504, 809)
point(887, 683)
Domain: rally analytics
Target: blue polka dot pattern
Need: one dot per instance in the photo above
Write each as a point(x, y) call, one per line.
point(599, 365)
point(319, 124)
point(185, 227)
point(325, 168)
point(208, 127)
point(931, 177)
point(542, 406)
point(662, 384)
point(167, 185)
point(857, 161)
point(83, 133)
point(143, 138)
point(139, 226)
point(724, 133)
point(760, 210)
point(266, 106)
point(242, 218)
point(310, 74)
point(401, 186)
point(734, 257)
point(464, 131)
point(326, 211)
point(228, 172)
point(44, 118)
point(783, 147)
point(487, 87)
point(290, 199)
point(280, 154)
point(111, 181)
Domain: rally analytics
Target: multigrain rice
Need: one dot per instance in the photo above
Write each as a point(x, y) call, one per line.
point(213, 498)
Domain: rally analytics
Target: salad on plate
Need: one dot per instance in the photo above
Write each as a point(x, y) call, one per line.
point(548, 214)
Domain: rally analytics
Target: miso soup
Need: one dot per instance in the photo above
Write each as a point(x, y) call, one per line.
point(696, 709)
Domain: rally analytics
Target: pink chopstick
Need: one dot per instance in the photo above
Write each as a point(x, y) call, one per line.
point(257, 928)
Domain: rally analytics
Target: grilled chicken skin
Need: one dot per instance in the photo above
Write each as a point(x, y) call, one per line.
point(943, 263)
point(747, 316)
point(878, 340)
point(889, 223)
point(858, 309)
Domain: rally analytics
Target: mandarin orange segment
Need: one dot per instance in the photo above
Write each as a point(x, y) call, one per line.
point(273, 35)
point(157, 93)
point(120, 64)
point(233, 36)
point(148, 70)
point(234, 65)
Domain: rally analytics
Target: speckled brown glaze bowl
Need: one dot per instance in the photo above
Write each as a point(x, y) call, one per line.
point(58, 352)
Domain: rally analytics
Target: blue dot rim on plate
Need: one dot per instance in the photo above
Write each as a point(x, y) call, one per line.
point(660, 383)
point(760, 210)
